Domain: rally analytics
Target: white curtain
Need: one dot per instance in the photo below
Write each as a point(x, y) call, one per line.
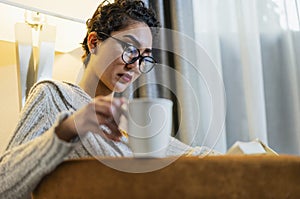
point(255, 45)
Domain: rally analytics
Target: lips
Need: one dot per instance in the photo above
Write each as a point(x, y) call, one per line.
point(125, 77)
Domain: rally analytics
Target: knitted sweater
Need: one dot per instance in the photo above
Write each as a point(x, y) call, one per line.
point(35, 150)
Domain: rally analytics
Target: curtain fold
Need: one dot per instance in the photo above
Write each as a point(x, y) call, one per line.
point(253, 86)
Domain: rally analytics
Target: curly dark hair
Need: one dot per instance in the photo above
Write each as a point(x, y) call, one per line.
point(116, 16)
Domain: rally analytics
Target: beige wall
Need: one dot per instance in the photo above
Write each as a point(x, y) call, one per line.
point(9, 106)
point(66, 67)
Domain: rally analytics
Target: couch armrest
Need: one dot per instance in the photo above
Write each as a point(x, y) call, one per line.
point(187, 177)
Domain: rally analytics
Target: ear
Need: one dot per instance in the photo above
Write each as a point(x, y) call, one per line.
point(92, 41)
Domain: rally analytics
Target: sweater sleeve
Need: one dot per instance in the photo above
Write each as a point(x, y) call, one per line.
point(34, 150)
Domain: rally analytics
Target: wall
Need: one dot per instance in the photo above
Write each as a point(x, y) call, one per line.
point(66, 67)
point(9, 106)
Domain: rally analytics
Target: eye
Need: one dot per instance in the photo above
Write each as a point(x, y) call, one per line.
point(131, 51)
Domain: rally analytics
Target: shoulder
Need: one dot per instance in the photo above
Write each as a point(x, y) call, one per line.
point(61, 93)
point(55, 87)
point(49, 85)
point(43, 90)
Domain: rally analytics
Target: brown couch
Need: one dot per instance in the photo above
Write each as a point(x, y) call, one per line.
point(187, 177)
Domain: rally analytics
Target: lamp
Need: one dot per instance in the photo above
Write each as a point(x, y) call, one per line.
point(70, 29)
point(33, 67)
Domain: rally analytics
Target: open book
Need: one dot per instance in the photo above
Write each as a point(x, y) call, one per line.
point(248, 148)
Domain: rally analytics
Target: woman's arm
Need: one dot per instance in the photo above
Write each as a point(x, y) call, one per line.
point(34, 150)
point(37, 146)
point(22, 167)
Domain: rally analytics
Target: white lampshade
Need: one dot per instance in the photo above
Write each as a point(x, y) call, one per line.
point(67, 16)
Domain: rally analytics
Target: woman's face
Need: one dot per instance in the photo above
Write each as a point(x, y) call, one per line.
point(108, 64)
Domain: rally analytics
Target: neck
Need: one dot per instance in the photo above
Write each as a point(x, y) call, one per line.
point(93, 86)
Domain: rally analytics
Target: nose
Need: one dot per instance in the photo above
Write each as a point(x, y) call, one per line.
point(134, 65)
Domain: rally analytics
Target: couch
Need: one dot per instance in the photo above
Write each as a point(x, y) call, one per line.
point(234, 176)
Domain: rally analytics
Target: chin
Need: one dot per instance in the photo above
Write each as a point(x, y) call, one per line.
point(119, 88)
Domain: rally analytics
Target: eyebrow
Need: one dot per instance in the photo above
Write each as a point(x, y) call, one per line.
point(132, 38)
point(137, 43)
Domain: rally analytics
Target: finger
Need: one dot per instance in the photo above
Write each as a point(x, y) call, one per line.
point(115, 102)
point(118, 102)
point(113, 118)
point(113, 127)
point(108, 131)
point(111, 124)
point(119, 110)
point(112, 109)
point(105, 132)
point(104, 108)
point(124, 110)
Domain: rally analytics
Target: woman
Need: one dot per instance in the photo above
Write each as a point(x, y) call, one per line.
point(117, 51)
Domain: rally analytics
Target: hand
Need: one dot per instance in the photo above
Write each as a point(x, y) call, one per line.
point(102, 111)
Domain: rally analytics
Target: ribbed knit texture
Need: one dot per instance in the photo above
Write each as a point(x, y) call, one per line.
point(35, 150)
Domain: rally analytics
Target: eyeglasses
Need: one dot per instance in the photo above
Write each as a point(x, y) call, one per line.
point(131, 54)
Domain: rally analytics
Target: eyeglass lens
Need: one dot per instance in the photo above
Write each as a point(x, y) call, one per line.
point(131, 54)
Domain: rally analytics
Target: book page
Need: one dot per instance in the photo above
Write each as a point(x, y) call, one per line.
point(252, 147)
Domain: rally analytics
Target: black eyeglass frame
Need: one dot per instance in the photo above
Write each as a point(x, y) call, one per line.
point(134, 59)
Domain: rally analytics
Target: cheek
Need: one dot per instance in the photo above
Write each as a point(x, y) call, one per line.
point(108, 56)
point(107, 66)
point(108, 71)
point(109, 75)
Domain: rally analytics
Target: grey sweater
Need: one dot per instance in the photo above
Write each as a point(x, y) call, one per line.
point(35, 150)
